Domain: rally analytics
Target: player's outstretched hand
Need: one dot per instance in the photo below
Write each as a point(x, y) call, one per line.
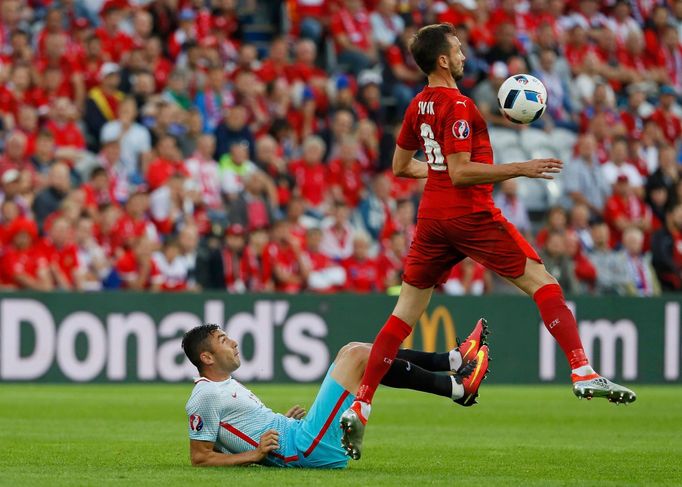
point(268, 442)
point(541, 168)
point(296, 412)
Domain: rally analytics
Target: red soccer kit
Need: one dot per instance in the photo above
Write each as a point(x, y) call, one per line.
point(455, 222)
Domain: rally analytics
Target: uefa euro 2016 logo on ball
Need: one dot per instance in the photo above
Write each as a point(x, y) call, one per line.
point(522, 98)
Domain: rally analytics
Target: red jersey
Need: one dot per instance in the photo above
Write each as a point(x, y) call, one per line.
point(129, 269)
point(66, 135)
point(669, 123)
point(363, 276)
point(311, 180)
point(161, 170)
point(442, 121)
point(66, 258)
point(631, 208)
point(348, 178)
point(17, 262)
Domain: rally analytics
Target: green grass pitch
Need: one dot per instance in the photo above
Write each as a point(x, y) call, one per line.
point(137, 435)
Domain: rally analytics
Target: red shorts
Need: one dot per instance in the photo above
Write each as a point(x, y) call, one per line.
point(487, 237)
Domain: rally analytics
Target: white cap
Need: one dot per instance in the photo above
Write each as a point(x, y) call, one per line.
point(10, 176)
point(107, 69)
point(467, 4)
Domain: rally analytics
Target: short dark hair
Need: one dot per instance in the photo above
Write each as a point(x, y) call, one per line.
point(194, 342)
point(430, 42)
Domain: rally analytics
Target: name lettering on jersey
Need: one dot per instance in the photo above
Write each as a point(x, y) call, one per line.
point(426, 108)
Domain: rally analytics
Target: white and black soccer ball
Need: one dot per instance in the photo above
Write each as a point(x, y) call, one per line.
point(522, 98)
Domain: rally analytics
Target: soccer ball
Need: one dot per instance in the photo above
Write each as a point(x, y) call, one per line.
point(522, 98)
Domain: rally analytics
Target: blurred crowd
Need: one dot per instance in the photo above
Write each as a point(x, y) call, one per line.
point(246, 145)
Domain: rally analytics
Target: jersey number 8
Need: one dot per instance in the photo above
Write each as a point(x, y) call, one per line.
point(434, 156)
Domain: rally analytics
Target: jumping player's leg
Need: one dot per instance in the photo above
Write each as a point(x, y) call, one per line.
point(561, 324)
point(539, 284)
point(494, 242)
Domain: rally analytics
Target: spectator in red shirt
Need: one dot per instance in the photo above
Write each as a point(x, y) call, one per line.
point(167, 163)
point(134, 222)
point(352, 35)
point(670, 124)
point(310, 17)
point(391, 260)
point(344, 173)
point(557, 222)
point(362, 271)
point(98, 191)
point(275, 65)
point(257, 262)
point(255, 206)
point(16, 92)
point(137, 269)
point(158, 65)
point(115, 42)
point(68, 138)
point(289, 265)
point(310, 174)
point(325, 276)
point(303, 67)
point(23, 263)
point(625, 209)
point(234, 264)
point(467, 278)
point(62, 256)
point(655, 29)
point(403, 221)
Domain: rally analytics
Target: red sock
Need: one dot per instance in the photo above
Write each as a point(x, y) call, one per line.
point(384, 350)
point(561, 323)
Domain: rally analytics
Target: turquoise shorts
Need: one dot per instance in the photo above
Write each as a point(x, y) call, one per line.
point(318, 435)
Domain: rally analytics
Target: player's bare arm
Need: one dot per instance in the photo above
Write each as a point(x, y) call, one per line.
point(406, 166)
point(202, 453)
point(465, 172)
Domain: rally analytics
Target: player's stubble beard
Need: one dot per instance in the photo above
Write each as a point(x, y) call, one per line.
point(457, 72)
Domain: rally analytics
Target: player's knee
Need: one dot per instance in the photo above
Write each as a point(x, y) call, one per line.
point(348, 347)
point(358, 354)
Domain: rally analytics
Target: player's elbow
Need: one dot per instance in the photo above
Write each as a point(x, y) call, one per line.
point(398, 168)
point(457, 178)
point(199, 458)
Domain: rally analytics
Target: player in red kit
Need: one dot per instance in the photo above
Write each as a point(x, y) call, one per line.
point(457, 218)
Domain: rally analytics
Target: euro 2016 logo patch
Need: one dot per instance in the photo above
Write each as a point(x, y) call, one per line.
point(460, 129)
point(195, 422)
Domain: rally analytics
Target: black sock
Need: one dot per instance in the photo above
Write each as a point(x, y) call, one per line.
point(435, 362)
point(405, 375)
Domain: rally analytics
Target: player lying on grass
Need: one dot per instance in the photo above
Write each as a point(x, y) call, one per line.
point(229, 425)
point(457, 218)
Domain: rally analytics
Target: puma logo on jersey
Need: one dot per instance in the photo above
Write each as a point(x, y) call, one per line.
point(461, 103)
point(426, 108)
